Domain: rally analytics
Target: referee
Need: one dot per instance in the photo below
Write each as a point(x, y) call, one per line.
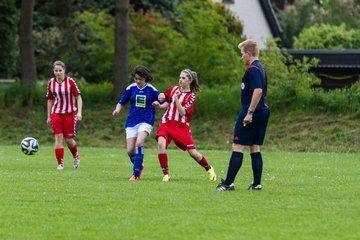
point(252, 120)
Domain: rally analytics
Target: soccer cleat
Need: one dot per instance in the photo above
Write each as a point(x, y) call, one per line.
point(223, 187)
point(134, 178)
point(77, 161)
point(60, 167)
point(252, 187)
point(166, 178)
point(212, 174)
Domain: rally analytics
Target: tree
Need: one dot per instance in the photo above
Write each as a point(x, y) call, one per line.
point(9, 51)
point(121, 47)
point(27, 48)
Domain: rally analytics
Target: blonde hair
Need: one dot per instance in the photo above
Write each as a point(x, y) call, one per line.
point(59, 63)
point(194, 85)
point(249, 46)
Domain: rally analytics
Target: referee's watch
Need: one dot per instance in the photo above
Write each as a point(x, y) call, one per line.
point(250, 110)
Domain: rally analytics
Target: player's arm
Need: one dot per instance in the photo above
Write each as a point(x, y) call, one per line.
point(161, 102)
point(163, 105)
point(117, 109)
point(79, 107)
point(50, 103)
point(161, 97)
point(255, 99)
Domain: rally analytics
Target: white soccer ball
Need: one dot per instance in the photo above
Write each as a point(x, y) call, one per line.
point(29, 146)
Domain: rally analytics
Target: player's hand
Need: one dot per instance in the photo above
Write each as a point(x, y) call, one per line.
point(247, 120)
point(48, 121)
point(156, 104)
point(78, 117)
point(115, 112)
point(161, 97)
point(177, 93)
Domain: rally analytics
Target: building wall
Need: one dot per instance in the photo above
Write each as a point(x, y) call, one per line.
point(253, 18)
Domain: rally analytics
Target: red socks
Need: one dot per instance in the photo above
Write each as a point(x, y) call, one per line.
point(163, 159)
point(204, 163)
point(73, 150)
point(59, 153)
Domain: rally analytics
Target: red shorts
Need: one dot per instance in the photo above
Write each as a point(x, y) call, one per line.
point(181, 136)
point(64, 123)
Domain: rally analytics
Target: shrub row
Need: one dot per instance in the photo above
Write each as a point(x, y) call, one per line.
point(219, 102)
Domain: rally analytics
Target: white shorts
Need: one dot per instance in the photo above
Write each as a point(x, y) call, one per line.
point(132, 132)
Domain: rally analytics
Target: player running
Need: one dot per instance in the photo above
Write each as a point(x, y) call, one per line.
point(141, 117)
point(174, 124)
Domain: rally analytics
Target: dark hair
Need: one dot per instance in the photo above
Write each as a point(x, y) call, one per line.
point(194, 85)
point(142, 72)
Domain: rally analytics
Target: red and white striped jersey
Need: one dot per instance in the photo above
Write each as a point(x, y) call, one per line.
point(187, 100)
point(63, 94)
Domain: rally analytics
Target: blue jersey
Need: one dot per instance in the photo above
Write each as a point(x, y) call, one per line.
point(254, 77)
point(141, 108)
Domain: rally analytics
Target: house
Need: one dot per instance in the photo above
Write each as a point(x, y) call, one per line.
point(258, 17)
point(336, 68)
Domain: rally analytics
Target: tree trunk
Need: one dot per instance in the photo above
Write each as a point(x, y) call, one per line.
point(27, 48)
point(121, 47)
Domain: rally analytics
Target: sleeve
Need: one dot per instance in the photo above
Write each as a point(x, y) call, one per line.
point(255, 78)
point(168, 94)
point(155, 95)
point(125, 98)
point(74, 88)
point(49, 94)
point(189, 106)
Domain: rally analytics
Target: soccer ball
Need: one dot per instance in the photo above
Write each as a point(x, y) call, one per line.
point(29, 146)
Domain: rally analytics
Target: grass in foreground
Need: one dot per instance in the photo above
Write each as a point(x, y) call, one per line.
point(304, 196)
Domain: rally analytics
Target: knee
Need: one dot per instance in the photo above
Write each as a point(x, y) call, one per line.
point(161, 143)
point(70, 142)
point(237, 148)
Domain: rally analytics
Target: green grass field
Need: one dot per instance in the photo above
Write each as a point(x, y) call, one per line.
point(304, 196)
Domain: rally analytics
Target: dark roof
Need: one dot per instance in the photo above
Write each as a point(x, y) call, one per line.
point(330, 58)
point(271, 18)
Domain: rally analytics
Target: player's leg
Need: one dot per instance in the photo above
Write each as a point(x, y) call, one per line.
point(257, 167)
point(163, 139)
point(130, 145)
point(235, 163)
point(261, 120)
point(59, 150)
point(144, 131)
point(131, 136)
point(139, 153)
point(72, 145)
point(163, 158)
point(69, 134)
point(201, 160)
point(241, 134)
point(58, 129)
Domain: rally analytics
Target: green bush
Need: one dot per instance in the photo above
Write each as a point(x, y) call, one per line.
point(96, 93)
point(328, 37)
point(207, 47)
point(218, 102)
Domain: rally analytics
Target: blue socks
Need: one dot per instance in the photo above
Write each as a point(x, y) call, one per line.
point(234, 167)
point(257, 166)
point(138, 160)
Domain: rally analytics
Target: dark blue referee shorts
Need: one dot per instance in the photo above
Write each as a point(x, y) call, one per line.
point(254, 132)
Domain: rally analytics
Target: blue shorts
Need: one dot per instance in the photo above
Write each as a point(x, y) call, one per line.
point(254, 132)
